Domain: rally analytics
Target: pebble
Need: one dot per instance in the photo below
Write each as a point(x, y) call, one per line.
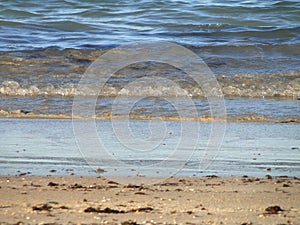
point(99, 170)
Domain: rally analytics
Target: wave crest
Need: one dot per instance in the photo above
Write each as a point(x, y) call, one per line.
point(237, 86)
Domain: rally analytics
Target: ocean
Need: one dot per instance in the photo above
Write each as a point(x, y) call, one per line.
point(251, 48)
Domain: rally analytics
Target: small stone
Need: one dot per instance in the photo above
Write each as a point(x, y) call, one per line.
point(269, 177)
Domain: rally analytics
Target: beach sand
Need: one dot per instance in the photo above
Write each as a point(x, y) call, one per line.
point(185, 200)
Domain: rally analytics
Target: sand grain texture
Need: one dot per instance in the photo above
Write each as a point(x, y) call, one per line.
point(207, 200)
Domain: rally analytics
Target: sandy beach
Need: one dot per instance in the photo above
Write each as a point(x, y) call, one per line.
point(186, 200)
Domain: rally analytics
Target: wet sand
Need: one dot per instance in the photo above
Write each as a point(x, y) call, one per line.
point(202, 200)
point(37, 146)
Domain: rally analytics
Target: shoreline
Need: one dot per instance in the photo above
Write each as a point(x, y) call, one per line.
point(182, 200)
point(19, 114)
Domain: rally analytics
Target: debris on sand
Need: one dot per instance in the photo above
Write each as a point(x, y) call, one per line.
point(143, 209)
point(52, 184)
point(43, 207)
point(106, 210)
point(116, 211)
point(129, 223)
point(273, 209)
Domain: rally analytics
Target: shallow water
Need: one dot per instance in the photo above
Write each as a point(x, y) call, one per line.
point(46, 81)
point(57, 72)
point(237, 109)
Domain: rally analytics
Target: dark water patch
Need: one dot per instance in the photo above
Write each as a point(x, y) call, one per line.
point(69, 26)
point(19, 14)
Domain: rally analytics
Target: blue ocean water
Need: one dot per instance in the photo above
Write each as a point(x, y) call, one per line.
point(84, 24)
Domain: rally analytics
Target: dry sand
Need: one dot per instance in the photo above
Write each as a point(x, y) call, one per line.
point(207, 200)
